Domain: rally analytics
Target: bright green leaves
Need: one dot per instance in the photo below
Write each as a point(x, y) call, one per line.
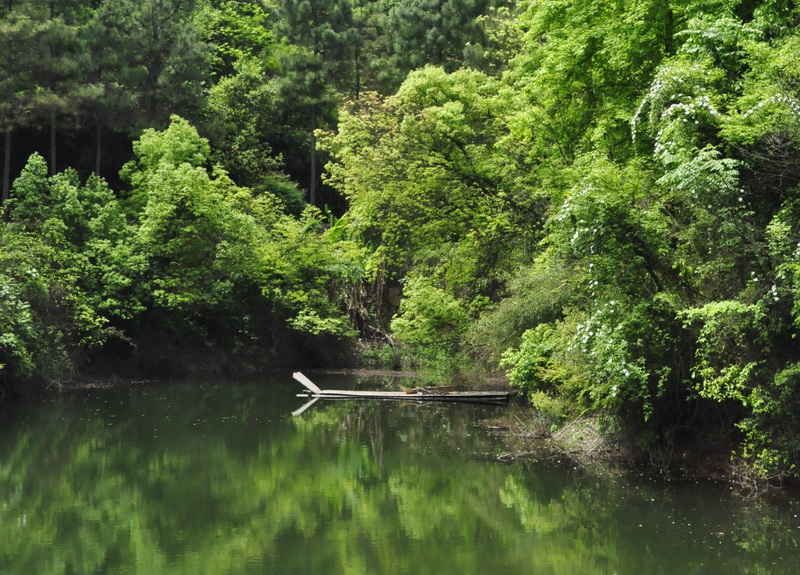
point(430, 318)
point(581, 66)
point(181, 217)
point(181, 225)
point(18, 337)
point(312, 276)
point(210, 263)
point(531, 367)
point(240, 116)
point(435, 195)
point(609, 342)
point(671, 230)
point(783, 236)
point(424, 177)
point(736, 362)
point(62, 258)
point(775, 18)
point(722, 117)
point(772, 429)
point(239, 32)
point(213, 249)
point(766, 128)
point(242, 105)
point(30, 204)
point(431, 324)
point(728, 349)
point(179, 144)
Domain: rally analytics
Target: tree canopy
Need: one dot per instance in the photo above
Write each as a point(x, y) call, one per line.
point(599, 200)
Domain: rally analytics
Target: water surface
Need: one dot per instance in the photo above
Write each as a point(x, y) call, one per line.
point(218, 478)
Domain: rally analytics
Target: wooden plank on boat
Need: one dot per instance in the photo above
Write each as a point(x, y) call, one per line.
point(453, 397)
point(306, 405)
point(307, 382)
point(428, 394)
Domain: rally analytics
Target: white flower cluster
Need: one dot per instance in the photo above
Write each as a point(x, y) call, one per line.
point(655, 89)
point(595, 326)
point(773, 291)
point(584, 332)
point(701, 103)
point(662, 89)
point(566, 208)
point(793, 104)
point(663, 147)
point(581, 231)
point(582, 226)
point(685, 113)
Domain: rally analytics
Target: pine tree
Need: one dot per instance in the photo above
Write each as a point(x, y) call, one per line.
point(151, 51)
point(437, 32)
point(35, 73)
point(321, 36)
point(16, 35)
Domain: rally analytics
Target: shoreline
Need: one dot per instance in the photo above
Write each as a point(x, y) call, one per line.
point(580, 442)
point(529, 436)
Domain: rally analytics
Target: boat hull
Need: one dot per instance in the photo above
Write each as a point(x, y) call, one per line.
point(452, 396)
point(314, 393)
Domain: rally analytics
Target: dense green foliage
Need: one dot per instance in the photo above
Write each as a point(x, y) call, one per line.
point(599, 198)
point(184, 260)
point(611, 219)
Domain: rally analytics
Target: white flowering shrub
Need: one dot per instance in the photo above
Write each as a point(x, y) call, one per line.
point(613, 348)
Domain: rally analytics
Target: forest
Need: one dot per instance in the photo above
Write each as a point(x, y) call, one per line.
point(599, 200)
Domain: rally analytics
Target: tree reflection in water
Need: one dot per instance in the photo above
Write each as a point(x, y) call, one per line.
point(219, 478)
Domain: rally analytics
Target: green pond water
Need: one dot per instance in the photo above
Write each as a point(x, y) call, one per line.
point(219, 478)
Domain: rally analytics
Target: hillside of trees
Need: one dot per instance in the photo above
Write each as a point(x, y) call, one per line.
point(599, 199)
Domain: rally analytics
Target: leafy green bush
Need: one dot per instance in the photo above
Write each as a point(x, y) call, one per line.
point(216, 253)
point(18, 338)
point(430, 320)
point(186, 260)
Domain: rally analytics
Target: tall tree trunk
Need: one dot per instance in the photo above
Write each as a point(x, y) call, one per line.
point(312, 184)
point(357, 60)
point(52, 143)
point(99, 147)
point(6, 166)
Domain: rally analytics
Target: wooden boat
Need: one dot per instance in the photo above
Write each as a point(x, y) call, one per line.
point(407, 394)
